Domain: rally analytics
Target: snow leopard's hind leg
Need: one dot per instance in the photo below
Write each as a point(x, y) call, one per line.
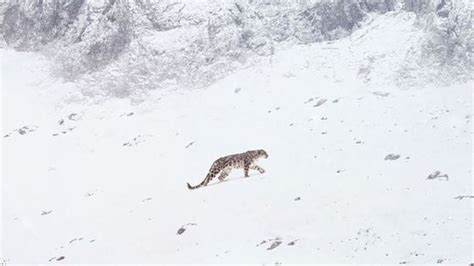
point(224, 174)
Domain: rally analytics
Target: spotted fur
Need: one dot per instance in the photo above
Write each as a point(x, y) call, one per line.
point(224, 165)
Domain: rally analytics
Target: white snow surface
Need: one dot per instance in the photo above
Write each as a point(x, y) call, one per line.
point(112, 188)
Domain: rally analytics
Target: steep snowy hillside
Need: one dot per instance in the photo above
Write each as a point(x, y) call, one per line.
point(128, 49)
point(359, 169)
point(180, 44)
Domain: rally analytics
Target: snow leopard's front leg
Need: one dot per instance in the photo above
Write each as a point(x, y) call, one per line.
point(258, 168)
point(246, 169)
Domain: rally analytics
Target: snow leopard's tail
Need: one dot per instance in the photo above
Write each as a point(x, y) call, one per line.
point(198, 186)
point(203, 183)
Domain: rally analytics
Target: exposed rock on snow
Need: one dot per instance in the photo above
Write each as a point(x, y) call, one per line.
point(180, 231)
point(22, 131)
point(183, 228)
point(46, 212)
point(392, 157)
point(274, 245)
point(464, 197)
point(135, 141)
point(381, 94)
point(320, 102)
point(275, 242)
point(437, 175)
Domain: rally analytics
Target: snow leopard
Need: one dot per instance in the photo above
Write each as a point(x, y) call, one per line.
point(224, 165)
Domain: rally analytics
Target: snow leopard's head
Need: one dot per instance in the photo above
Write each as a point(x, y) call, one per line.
point(262, 153)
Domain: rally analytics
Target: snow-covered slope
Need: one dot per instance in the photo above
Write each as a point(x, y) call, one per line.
point(127, 49)
point(111, 45)
point(351, 175)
